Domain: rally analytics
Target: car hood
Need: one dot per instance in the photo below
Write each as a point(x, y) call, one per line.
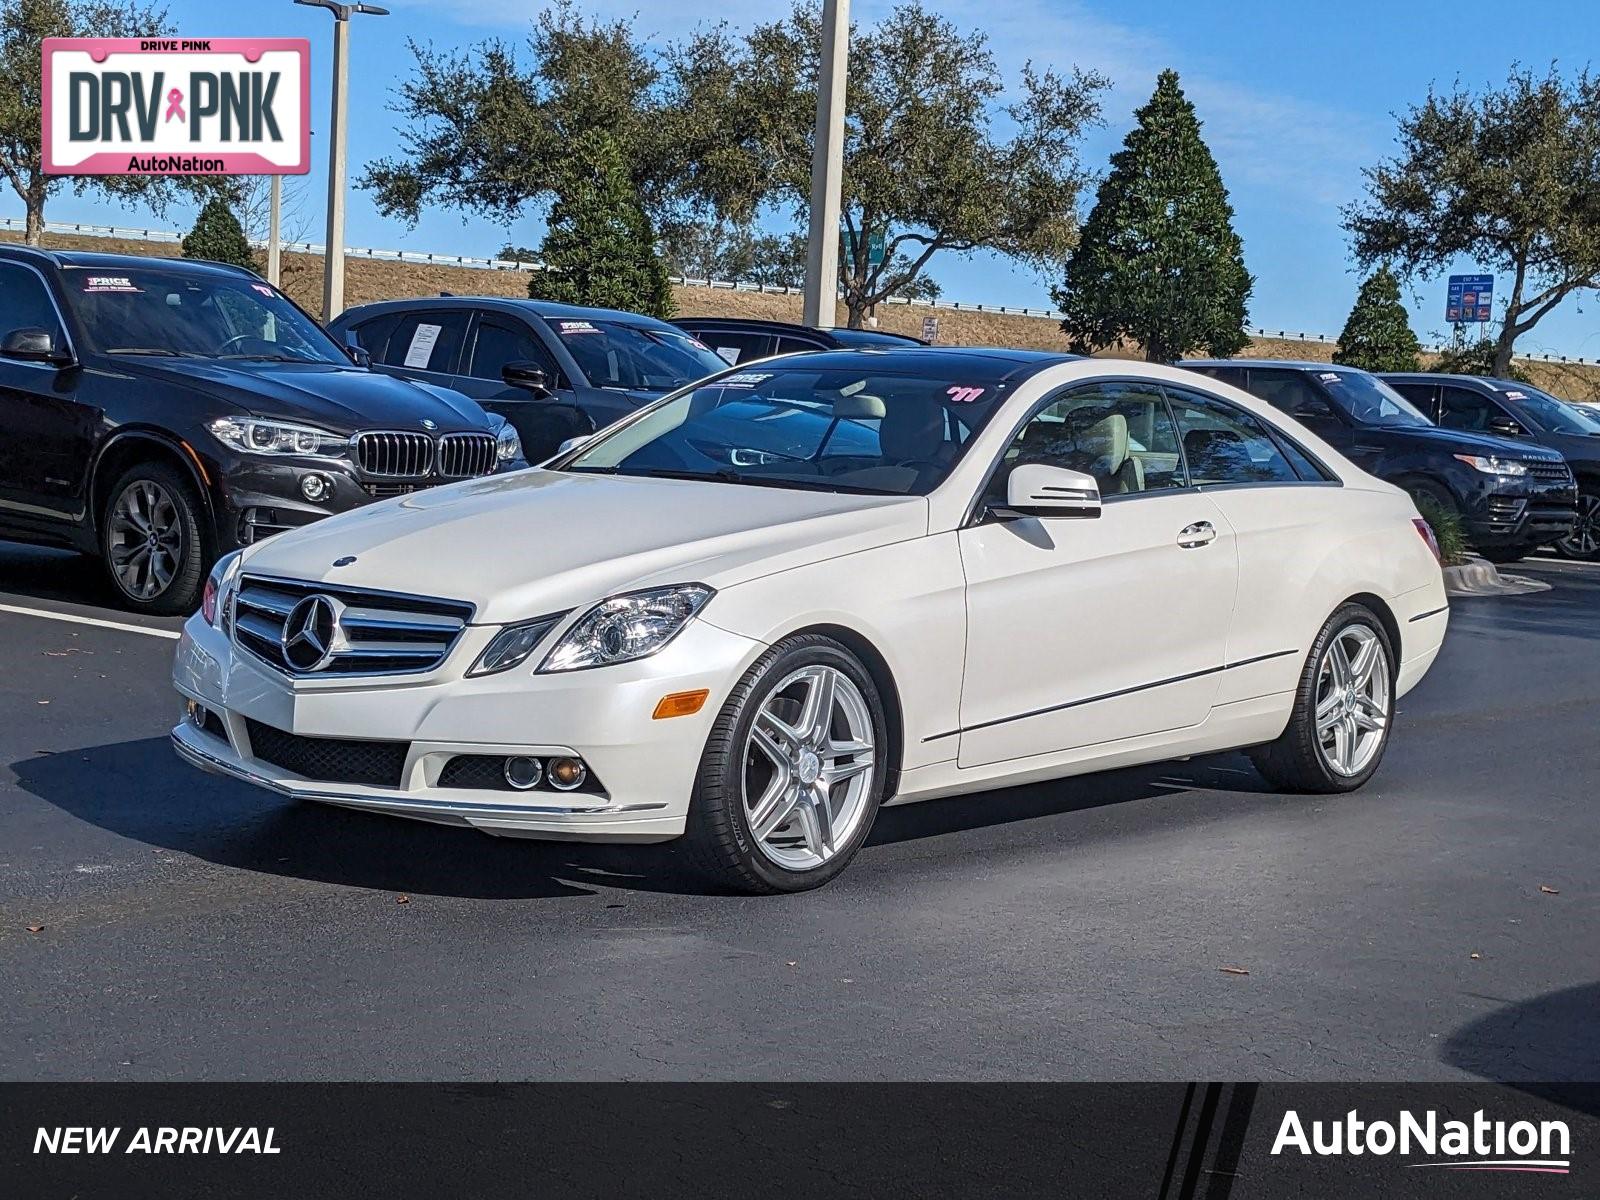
point(536, 542)
point(341, 399)
point(1459, 442)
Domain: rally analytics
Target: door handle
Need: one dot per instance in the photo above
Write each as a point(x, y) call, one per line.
point(1201, 533)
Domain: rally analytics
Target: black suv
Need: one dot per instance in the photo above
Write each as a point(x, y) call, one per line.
point(554, 371)
point(1511, 496)
point(1519, 411)
point(736, 340)
point(160, 412)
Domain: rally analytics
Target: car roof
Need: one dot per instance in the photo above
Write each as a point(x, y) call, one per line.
point(979, 364)
point(110, 262)
point(1289, 364)
point(840, 335)
point(540, 308)
point(1488, 381)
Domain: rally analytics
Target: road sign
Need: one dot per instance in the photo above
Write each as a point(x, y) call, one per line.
point(1469, 298)
point(170, 106)
point(875, 249)
point(930, 329)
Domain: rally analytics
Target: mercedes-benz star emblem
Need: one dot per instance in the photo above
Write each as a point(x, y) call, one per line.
point(308, 633)
point(428, 424)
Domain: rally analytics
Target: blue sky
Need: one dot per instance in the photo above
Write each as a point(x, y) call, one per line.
point(1295, 99)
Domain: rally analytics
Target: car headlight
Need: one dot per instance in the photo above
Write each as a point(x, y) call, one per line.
point(507, 445)
point(512, 645)
point(214, 598)
point(627, 627)
point(255, 436)
point(1492, 465)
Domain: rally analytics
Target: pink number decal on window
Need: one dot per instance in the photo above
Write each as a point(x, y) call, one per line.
point(964, 395)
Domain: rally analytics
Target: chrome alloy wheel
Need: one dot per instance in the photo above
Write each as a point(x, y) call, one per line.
point(1584, 540)
point(808, 767)
point(1352, 699)
point(145, 539)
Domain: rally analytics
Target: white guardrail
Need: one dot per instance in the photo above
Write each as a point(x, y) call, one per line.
point(509, 264)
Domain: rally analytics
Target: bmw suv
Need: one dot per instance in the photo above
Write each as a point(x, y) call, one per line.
point(161, 412)
point(1511, 496)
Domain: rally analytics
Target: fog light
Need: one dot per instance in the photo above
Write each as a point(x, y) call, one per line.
point(567, 774)
point(196, 713)
point(522, 773)
point(316, 488)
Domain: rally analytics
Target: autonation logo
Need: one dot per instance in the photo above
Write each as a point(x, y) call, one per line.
point(1477, 1145)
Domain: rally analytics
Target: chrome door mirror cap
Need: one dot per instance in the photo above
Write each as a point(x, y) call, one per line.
point(1040, 490)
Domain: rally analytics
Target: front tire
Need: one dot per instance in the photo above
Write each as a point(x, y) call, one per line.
point(151, 540)
point(793, 772)
point(1583, 543)
point(1343, 709)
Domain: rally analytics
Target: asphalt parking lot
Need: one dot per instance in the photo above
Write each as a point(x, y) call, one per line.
point(156, 923)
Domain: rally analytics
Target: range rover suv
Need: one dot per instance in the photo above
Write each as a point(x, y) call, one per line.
point(161, 412)
point(1511, 496)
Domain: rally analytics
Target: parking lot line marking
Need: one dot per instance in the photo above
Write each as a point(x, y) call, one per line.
point(76, 620)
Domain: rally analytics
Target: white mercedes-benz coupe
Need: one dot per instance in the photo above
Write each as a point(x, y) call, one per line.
point(760, 608)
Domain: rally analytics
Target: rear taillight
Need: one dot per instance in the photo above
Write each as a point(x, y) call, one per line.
point(1425, 531)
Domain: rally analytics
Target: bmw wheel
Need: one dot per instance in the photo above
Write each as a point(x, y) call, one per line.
point(151, 541)
point(1584, 541)
point(793, 772)
point(1343, 709)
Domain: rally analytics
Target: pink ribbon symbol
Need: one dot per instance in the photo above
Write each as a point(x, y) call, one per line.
point(175, 105)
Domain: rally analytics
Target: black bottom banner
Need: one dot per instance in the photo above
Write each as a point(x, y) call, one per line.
point(619, 1141)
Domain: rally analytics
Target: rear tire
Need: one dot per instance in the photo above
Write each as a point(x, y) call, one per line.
point(1342, 701)
point(785, 796)
point(152, 541)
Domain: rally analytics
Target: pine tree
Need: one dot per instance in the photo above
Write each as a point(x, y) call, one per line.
point(1378, 336)
point(1158, 261)
point(218, 237)
point(599, 249)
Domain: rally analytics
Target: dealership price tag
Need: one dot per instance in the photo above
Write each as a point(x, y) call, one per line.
point(422, 344)
point(170, 106)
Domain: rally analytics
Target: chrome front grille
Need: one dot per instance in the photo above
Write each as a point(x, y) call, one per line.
point(373, 633)
point(465, 455)
point(394, 454)
point(1555, 471)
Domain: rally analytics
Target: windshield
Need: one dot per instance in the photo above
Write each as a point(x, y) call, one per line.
point(1368, 400)
point(156, 311)
point(1550, 414)
point(786, 426)
point(613, 355)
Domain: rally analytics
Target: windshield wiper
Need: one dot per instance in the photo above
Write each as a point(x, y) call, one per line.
point(159, 351)
point(260, 358)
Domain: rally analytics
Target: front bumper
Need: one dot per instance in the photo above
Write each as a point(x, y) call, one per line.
point(647, 767)
point(1514, 512)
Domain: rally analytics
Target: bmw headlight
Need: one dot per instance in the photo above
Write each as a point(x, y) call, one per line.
point(255, 436)
point(512, 645)
point(627, 627)
point(507, 445)
point(1494, 465)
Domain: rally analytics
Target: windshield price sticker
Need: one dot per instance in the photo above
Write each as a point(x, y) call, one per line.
point(422, 343)
point(108, 283)
point(745, 379)
point(263, 289)
point(1516, 395)
point(965, 395)
point(1329, 377)
point(578, 327)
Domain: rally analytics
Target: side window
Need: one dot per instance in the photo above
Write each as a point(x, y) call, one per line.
point(500, 341)
point(427, 341)
point(25, 302)
point(789, 345)
point(1465, 409)
point(1420, 394)
point(373, 336)
point(1121, 433)
point(1222, 445)
point(1291, 392)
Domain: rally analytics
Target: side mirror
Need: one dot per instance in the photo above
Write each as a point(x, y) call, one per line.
point(1040, 490)
point(359, 354)
point(1505, 427)
point(528, 376)
point(573, 444)
point(33, 345)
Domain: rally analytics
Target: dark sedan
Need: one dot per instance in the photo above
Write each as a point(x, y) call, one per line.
point(552, 370)
point(738, 339)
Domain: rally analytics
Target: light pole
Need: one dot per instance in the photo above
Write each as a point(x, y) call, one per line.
point(827, 166)
point(333, 250)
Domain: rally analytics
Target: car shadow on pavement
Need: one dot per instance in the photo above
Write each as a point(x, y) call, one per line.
point(1550, 1037)
point(136, 789)
point(49, 574)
